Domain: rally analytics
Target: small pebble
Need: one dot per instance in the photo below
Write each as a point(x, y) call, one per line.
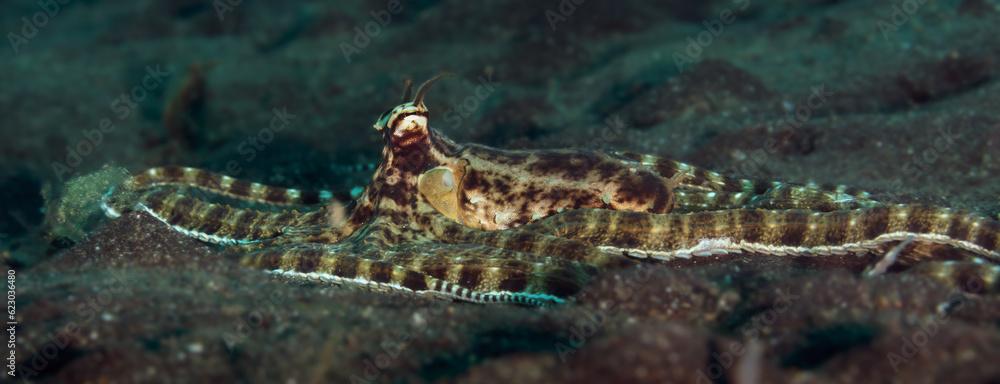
point(195, 347)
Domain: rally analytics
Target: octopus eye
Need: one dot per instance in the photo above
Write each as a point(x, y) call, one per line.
point(439, 187)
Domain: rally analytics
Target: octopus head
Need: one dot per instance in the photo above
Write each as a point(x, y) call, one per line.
point(406, 124)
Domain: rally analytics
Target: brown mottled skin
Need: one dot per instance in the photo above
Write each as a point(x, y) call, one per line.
point(488, 225)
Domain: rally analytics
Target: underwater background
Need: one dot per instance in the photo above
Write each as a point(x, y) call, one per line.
point(898, 98)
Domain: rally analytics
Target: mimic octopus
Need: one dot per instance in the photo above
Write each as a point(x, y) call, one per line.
point(486, 225)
